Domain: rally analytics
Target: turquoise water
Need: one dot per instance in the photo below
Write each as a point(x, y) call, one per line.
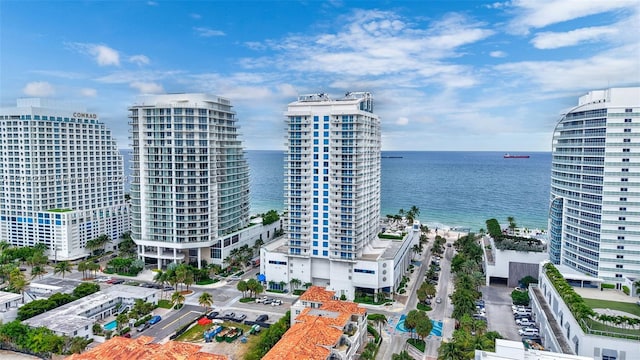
point(110, 325)
point(435, 331)
point(451, 188)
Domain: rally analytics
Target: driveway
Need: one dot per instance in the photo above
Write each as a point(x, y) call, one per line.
point(498, 302)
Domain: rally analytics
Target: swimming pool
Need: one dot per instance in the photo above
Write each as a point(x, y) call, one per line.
point(435, 331)
point(110, 325)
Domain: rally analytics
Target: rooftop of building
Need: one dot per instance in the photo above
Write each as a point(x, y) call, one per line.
point(515, 350)
point(317, 294)
point(54, 284)
point(141, 348)
point(67, 318)
point(6, 297)
point(310, 340)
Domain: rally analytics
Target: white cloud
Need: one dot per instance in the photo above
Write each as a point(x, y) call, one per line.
point(541, 13)
point(102, 54)
point(598, 71)
point(152, 3)
point(402, 121)
point(89, 92)
point(147, 87)
point(195, 16)
point(139, 59)
point(498, 54)
point(554, 40)
point(207, 32)
point(39, 89)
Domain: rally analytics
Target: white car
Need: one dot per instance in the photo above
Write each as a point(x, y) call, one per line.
point(524, 322)
point(276, 302)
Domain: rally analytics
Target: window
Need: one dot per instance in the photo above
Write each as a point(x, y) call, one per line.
point(619, 256)
point(623, 199)
point(622, 218)
point(627, 130)
point(620, 247)
point(625, 170)
point(626, 150)
point(618, 275)
point(624, 179)
point(625, 160)
point(628, 110)
point(315, 252)
point(621, 238)
point(618, 266)
point(626, 140)
point(624, 189)
point(621, 228)
point(627, 120)
point(622, 209)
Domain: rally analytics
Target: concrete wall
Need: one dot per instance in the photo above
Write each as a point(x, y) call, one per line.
point(514, 265)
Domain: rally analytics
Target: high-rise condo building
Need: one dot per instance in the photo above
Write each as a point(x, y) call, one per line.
point(332, 195)
point(190, 183)
point(62, 178)
point(594, 225)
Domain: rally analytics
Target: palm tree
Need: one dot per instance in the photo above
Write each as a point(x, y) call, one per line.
point(403, 355)
point(417, 249)
point(637, 286)
point(512, 224)
point(92, 246)
point(177, 299)
point(82, 266)
point(63, 267)
point(242, 286)
point(37, 271)
point(17, 282)
point(295, 283)
point(450, 351)
point(205, 300)
point(91, 266)
point(121, 320)
point(188, 278)
point(103, 240)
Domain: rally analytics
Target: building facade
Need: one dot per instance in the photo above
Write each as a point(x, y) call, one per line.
point(561, 332)
point(595, 186)
point(62, 178)
point(190, 185)
point(332, 195)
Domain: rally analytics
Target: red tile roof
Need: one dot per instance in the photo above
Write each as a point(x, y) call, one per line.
point(308, 340)
point(343, 307)
point(141, 348)
point(317, 294)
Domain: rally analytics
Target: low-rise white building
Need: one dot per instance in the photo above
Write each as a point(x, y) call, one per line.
point(561, 332)
point(515, 350)
point(509, 265)
point(379, 269)
point(9, 306)
point(77, 318)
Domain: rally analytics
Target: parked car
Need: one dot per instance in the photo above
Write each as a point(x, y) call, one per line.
point(240, 317)
point(528, 332)
point(212, 315)
point(261, 299)
point(262, 318)
point(229, 315)
point(438, 300)
point(117, 281)
point(276, 302)
point(169, 288)
point(427, 302)
point(127, 335)
point(143, 327)
point(524, 322)
point(154, 320)
point(267, 301)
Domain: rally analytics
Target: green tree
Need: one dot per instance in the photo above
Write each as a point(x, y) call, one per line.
point(82, 267)
point(127, 248)
point(37, 271)
point(242, 287)
point(295, 283)
point(177, 299)
point(403, 355)
point(450, 351)
point(17, 282)
point(122, 319)
point(85, 288)
point(63, 267)
point(411, 321)
point(205, 300)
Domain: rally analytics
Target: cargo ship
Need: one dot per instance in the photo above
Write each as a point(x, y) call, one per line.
point(509, 156)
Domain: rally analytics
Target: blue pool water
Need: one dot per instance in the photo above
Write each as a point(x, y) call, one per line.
point(110, 325)
point(436, 331)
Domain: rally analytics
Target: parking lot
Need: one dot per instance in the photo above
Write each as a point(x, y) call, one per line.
point(499, 313)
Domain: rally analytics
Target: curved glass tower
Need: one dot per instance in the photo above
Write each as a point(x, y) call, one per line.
point(190, 183)
point(594, 222)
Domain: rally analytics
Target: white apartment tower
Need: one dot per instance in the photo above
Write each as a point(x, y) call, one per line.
point(594, 221)
point(190, 186)
point(62, 178)
point(332, 181)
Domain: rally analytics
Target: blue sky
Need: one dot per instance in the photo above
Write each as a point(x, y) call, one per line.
point(445, 75)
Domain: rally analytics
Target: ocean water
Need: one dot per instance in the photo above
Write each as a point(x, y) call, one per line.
point(452, 189)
